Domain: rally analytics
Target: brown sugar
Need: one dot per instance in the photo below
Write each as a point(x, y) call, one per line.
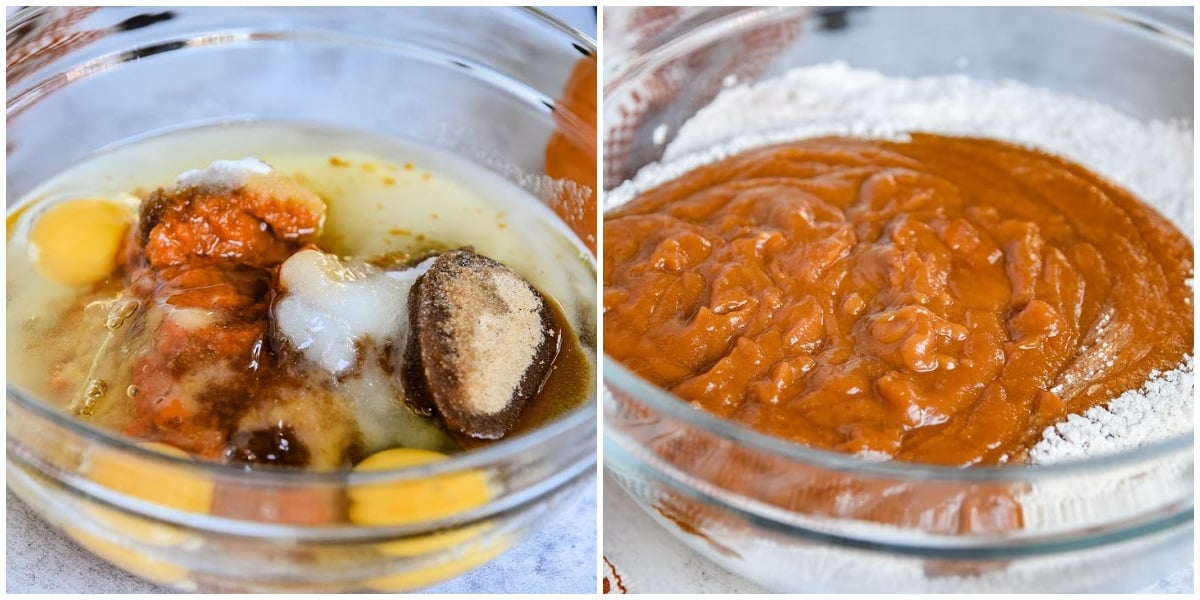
point(482, 343)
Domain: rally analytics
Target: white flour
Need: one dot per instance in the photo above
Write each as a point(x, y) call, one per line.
point(1152, 159)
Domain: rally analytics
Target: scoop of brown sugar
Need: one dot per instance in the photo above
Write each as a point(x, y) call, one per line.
point(481, 344)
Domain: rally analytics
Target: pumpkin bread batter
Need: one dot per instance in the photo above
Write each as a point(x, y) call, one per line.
point(937, 300)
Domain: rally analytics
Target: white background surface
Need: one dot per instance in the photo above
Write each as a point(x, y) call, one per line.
point(560, 557)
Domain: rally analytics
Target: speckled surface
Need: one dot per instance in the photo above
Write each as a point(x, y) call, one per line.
point(560, 557)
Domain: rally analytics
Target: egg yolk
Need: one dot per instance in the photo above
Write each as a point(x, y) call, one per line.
point(471, 557)
point(131, 560)
point(160, 484)
point(414, 501)
point(424, 500)
point(75, 242)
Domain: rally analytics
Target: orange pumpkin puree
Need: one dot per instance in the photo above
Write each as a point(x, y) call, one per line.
point(571, 152)
point(938, 300)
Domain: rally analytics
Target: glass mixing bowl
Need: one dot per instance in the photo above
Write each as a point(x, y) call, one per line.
point(481, 83)
point(798, 519)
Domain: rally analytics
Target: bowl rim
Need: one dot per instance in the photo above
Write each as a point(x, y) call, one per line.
point(577, 419)
point(672, 406)
point(723, 19)
point(24, 13)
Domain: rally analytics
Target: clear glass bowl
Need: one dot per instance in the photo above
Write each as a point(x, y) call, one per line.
point(798, 519)
point(479, 82)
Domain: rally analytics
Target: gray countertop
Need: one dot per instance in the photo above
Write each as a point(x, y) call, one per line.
point(560, 557)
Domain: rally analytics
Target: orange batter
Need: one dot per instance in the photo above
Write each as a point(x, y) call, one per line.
point(571, 152)
point(939, 300)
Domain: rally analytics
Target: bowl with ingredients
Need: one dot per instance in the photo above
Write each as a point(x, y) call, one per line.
point(299, 299)
point(900, 299)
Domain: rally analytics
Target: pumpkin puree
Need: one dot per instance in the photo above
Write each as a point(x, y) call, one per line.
point(938, 300)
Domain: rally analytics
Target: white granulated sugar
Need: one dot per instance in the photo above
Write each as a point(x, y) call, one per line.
point(1153, 159)
point(223, 174)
